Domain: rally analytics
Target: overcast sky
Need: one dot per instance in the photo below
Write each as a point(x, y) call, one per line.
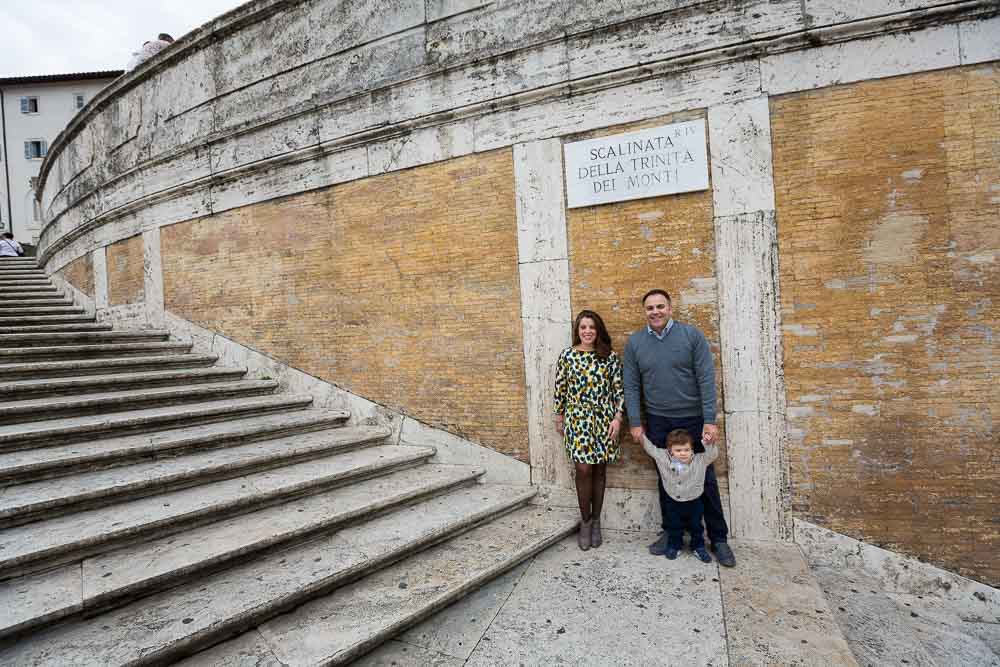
point(61, 36)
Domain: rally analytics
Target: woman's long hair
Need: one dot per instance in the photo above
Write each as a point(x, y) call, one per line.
point(602, 344)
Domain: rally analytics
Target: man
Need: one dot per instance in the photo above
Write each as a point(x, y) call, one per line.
point(668, 369)
point(9, 247)
point(149, 49)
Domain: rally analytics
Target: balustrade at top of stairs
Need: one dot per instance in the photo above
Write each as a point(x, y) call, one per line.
point(155, 504)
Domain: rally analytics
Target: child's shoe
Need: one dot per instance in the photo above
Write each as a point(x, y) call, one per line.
point(671, 553)
point(702, 555)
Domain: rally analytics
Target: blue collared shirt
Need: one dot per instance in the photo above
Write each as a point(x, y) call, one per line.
point(659, 336)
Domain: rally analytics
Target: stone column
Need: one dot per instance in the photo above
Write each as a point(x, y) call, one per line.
point(153, 278)
point(546, 318)
point(750, 333)
point(99, 262)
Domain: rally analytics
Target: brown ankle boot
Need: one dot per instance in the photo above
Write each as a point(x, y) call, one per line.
point(596, 539)
point(583, 537)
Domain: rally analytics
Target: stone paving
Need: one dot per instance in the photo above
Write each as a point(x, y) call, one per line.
point(618, 605)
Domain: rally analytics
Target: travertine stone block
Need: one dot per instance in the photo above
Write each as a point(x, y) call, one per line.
point(740, 148)
point(860, 60)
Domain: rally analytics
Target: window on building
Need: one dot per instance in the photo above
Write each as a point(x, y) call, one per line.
point(35, 149)
point(29, 105)
point(78, 100)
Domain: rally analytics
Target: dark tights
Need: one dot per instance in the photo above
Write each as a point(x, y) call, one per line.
point(590, 480)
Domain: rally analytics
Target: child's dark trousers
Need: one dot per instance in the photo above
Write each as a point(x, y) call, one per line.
point(681, 516)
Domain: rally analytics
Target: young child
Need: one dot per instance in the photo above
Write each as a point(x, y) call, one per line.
point(683, 475)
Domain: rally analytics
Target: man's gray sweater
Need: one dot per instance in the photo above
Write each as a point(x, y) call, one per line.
point(672, 377)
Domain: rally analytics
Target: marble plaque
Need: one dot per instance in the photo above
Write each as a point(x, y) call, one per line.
point(648, 163)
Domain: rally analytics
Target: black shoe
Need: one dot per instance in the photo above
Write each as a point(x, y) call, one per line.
point(702, 555)
point(724, 554)
point(671, 553)
point(659, 547)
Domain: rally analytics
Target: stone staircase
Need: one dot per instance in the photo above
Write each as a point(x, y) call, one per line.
point(153, 505)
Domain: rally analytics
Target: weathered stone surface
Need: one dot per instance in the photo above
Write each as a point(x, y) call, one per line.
point(120, 381)
point(456, 630)
point(37, 599)
point(896, 573)
point(105, 452)
point(49, 369)
point(541, 209)
point(620, 594)
point(776, 613)
point(861, 60)
point(453, 450)
point(169, 624)
point(740, 147)
point(352, 620)
point(56, 431)
point(73, 536)
point(38, 409)
point(169, 561)
point(142, 478)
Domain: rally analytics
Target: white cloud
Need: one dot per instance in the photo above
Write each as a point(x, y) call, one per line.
point(60, 36)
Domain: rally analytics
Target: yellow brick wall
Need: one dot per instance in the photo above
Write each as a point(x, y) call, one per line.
point(888, 196)
point(80, 274)
point(620, 251)
point(125, 271)
point(401, 288)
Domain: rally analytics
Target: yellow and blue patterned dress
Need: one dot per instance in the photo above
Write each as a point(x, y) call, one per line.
point(589, 392)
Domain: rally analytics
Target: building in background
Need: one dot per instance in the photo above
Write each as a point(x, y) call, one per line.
point(33, 110)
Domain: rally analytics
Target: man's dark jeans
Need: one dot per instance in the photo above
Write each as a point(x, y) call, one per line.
point(681, 516)
point(657, 428)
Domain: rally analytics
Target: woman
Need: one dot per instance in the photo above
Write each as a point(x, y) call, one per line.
point(589, 403)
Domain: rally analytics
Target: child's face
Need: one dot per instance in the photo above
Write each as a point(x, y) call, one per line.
point(682, 453)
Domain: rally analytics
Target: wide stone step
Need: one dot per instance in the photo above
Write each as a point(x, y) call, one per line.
point(169, 625)
point(55, 352)
point(20, 297)
point(21, 274)
point(52, 369)
point(27, 320)
point(17, 283)
point(54, 338)
point(34, 289)
point(40, 311)
point(108, 403)
point(46, 462)
point(37, 546)
point(776, 613)
point(105, 579)
point(8, 305)
point(876, 630)
point(35, 501)
point(74, 429)
point(89, 384)
point(338, 628)
point(73, 326)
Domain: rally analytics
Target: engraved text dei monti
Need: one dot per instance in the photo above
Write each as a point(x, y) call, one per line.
point(648, 163)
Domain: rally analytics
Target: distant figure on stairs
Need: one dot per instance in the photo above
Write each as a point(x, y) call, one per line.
point(9, 247)
point(149, 49)
point(588, 406)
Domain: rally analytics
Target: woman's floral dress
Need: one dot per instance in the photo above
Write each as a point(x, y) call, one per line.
point(589, 392)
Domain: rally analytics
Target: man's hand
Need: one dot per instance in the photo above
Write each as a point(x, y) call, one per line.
point(710, 434)
point(636, 432)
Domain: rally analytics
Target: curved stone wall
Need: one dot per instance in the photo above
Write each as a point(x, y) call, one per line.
point(373, 193)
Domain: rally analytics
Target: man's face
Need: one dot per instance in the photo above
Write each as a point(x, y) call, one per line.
point(658, 311)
